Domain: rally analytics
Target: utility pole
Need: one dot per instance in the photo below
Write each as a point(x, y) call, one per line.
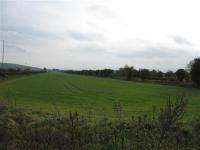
point(2, 56)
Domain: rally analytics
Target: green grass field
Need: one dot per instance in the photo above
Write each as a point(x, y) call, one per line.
point(52, 91)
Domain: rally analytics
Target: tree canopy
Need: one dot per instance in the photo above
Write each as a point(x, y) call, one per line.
point(181, 74)
point(195, 71)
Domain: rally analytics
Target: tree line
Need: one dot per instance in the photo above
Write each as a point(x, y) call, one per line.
point(186, 76)
point(5, 72)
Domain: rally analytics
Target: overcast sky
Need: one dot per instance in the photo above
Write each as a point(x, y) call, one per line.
point(96, 34)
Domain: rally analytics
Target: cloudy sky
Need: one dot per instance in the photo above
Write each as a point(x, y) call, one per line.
point(96, 34)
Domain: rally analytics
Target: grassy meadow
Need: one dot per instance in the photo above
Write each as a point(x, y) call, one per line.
point(96, 96)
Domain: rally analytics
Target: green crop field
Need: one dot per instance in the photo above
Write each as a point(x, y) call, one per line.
point(97, 96)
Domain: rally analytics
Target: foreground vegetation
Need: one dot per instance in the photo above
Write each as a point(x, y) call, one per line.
point(48, 92)
point(24, 129)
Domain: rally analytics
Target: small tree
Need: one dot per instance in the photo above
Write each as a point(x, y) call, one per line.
point(181, 74)
point(45, 69)
point(127, 71)
point(169, 74)
point(145, 74)
point(194, 67)
point(170, 116)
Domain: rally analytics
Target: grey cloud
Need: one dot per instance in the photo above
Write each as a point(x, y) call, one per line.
point(162, 58)
point(14, 49)
point(181, 40)
point(37, 29)
point(89, 49)
point(93, 25)
point(17, 37)
point(83, 36)
point(155, 51)
point(26, 31)
point(100, 11)
point(21, 50)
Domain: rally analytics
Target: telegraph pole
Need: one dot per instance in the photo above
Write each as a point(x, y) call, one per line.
point(2, 56)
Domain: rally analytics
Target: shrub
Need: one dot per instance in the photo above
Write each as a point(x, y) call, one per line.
point(22, 130)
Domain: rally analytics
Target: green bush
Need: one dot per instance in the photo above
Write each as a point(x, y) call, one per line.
point(25, 129)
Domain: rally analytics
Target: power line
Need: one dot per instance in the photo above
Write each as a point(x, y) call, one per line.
point(2, 55)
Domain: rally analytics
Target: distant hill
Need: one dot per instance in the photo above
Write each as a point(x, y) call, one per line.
point(17, 66)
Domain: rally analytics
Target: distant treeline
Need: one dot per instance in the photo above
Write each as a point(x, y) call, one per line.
point(98, 73)
point(128, 73)
point(183, 76)
point(9, 72)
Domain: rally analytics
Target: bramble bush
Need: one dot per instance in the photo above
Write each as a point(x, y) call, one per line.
point(22, 129)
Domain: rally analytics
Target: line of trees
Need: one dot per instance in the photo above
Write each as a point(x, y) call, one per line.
point(5, 72)
point(191, 74)
point(98, 73)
